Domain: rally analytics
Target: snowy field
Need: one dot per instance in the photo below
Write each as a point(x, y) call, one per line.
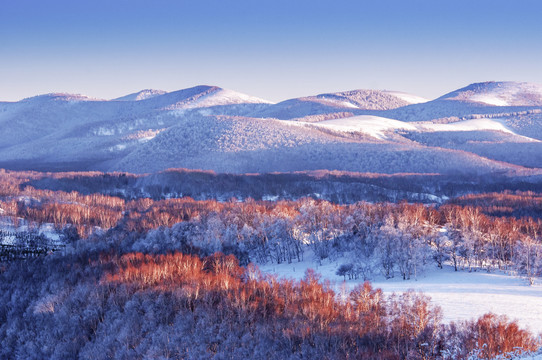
point(461, 295)
point(7, 225)
point(374, 126)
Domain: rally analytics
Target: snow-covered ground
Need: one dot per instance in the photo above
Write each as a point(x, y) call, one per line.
point(462, 295)
point(409, 98)
point(468, 125)
point(225, 97)
point(377, 126)
point(374, 126)
point(532, 357)
point(6, 224)
point(141, 95)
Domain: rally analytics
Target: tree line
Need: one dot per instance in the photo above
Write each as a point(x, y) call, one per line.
point(393, 239)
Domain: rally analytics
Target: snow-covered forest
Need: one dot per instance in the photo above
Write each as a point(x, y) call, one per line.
point(179, 278)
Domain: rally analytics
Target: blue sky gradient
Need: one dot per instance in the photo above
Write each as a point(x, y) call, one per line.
point(271, 49)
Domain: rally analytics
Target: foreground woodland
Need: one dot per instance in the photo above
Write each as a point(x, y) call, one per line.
point(175, 278)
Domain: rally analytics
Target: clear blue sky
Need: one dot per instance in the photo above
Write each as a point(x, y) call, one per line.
point(271, 49)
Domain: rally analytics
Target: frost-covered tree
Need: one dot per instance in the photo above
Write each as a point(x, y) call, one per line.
point(528, 259)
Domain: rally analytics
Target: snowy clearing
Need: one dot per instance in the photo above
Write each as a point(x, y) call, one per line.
point(141, 95)
point(330, 101)
point(461, 295)
point(377, 126)
point(472, 125)
point(468, 125)
point(409, 98)
point(374, 126)
point(6, 224)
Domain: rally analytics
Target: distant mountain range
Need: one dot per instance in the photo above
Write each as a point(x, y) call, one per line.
point(484, 128)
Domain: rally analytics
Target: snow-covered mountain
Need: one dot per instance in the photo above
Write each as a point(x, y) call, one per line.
point(62, 97)
point(207, 127)
point(241, 145)
point(141, 95)
point(517, 105)
point(373, 99)
point(345, 103)
point(506, 93)
point(201, 97)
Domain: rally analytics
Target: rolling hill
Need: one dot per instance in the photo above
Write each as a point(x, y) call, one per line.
point(505, 93)
point(482, 128)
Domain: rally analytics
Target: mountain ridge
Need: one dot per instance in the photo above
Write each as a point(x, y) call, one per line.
point(499, 93)
point(208, 127)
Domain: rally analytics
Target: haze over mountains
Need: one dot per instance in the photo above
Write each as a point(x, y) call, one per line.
point(492, 127)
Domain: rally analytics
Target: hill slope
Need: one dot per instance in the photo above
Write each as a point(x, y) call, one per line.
point(207, 127)
point(505, 93)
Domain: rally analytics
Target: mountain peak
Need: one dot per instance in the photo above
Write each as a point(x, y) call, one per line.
point(141, 95)
point(367, 99)
point(499, 93)
point(60, 97)
point(208, 96)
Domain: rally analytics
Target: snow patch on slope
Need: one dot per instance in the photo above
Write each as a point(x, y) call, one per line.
point(207, 98)
point(377, 126)
point(333, 102)
point(490, 99)
point(409, 98)
point(374, 126)
point(225, 97)
point(471, 125)
point(468, 125)
point(141, 95)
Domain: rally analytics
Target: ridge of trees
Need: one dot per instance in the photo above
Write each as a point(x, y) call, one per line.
point(336, 186)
